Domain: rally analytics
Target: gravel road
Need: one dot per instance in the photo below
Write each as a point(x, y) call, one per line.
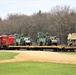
point(42, 56)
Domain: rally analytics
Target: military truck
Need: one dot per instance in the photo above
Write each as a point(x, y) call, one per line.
point(43, 39)
point(55, 40)
point(28, 41)
point(17, 39)
point(25, 40)
point(71, 39)
point(22, 40)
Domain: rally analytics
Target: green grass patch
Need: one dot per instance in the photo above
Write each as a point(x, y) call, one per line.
point(37, 68)
point(7, 55)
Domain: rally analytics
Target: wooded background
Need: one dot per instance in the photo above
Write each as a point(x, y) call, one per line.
point(59, 22)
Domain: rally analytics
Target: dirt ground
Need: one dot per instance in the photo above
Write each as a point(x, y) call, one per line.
point(42, 56)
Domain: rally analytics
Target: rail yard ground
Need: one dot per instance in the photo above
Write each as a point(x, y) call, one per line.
point(42, 56)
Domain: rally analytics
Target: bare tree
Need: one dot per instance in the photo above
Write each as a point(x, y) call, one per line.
point(59, 22)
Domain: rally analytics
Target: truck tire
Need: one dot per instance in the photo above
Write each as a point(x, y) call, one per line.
point(49, 42)
point(41, 43)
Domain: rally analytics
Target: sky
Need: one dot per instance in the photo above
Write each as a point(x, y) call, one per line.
point(29, 7)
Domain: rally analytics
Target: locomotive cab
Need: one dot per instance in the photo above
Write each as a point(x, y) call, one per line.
point(6, 40)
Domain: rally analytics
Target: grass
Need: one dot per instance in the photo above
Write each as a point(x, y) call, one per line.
point(37, 68)
point(7, 55)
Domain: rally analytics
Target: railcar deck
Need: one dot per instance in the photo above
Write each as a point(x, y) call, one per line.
point(56, 48)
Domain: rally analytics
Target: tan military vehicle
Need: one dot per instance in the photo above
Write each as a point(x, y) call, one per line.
point(71, 39)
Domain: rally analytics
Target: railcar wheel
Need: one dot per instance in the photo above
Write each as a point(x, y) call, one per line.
point(72, 50)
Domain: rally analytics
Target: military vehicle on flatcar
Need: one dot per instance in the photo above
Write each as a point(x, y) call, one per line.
point(43, 39)
point(71, 39)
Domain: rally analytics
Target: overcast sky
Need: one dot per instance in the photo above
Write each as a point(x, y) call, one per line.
point(29, 7)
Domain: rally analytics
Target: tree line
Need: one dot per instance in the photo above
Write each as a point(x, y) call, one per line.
point(60, 21)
